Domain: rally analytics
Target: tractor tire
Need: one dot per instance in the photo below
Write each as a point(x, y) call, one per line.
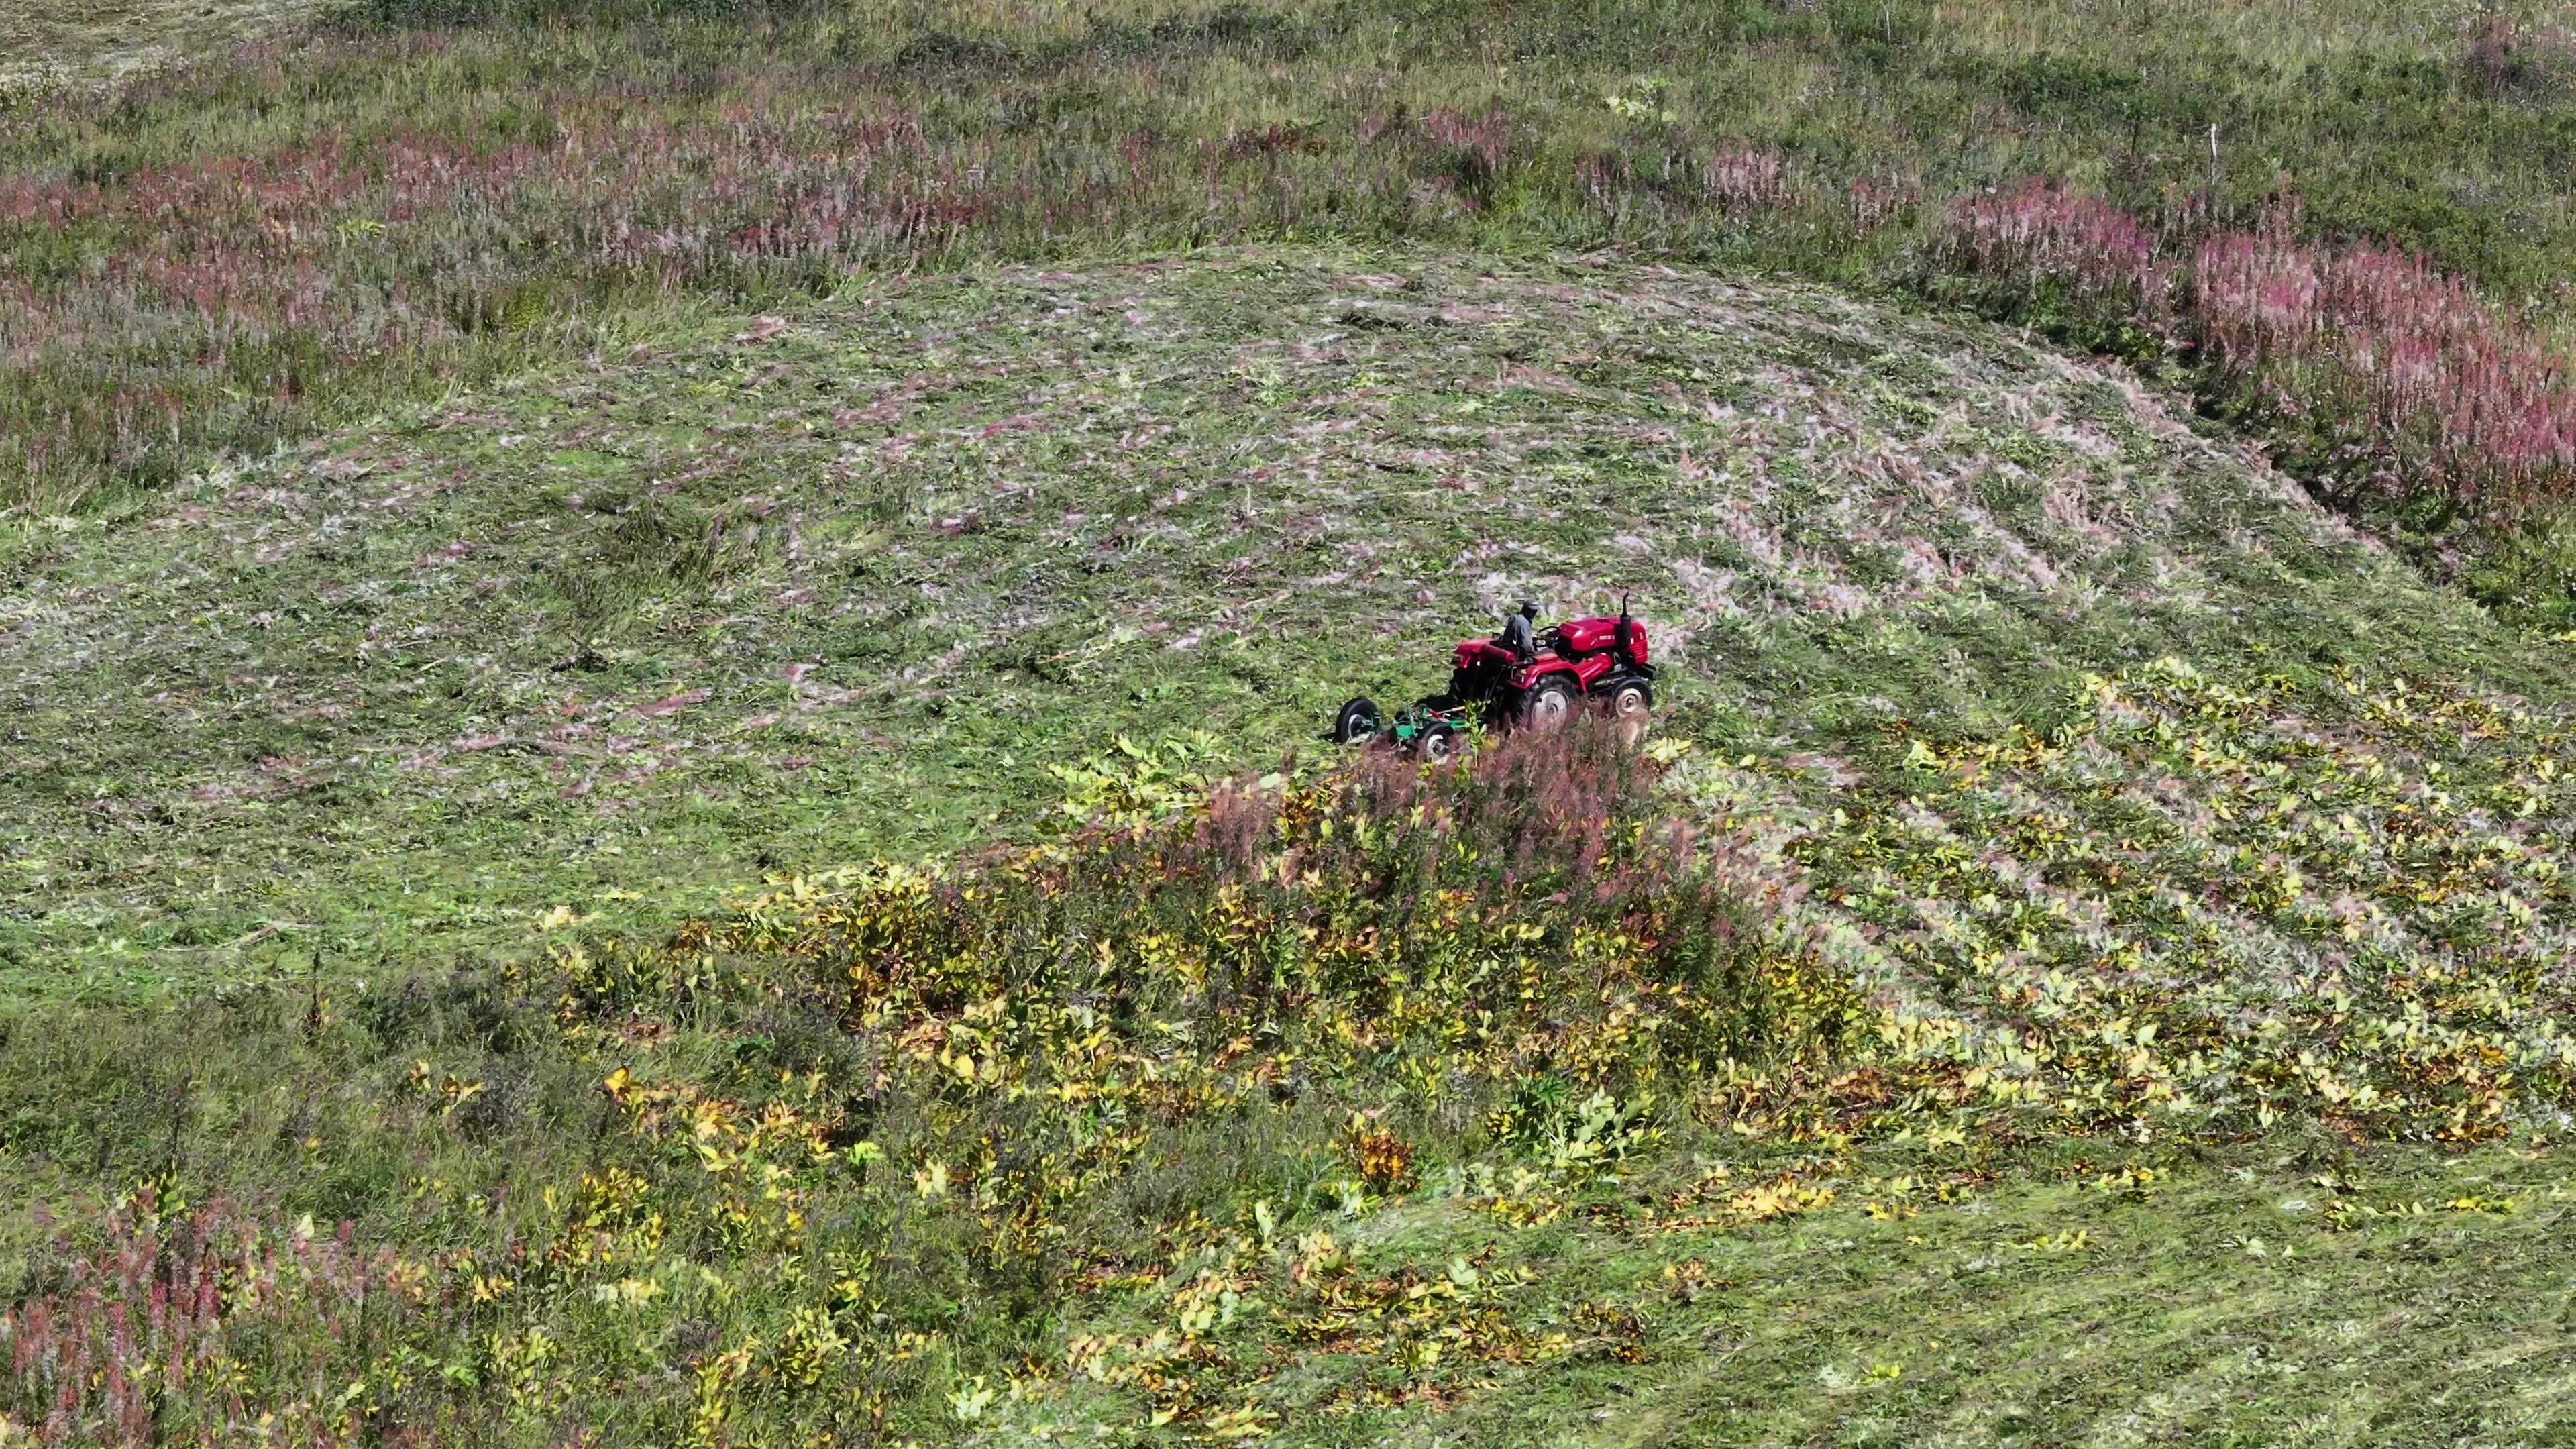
point(1437, 745)
point(1628, 702)
point(1548, 705)
point(1358, 723)
point(1628, 699)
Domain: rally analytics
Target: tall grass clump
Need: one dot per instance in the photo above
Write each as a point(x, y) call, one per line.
point(1528, 893)
point(2378, 376)
point(809, 1168)
point(199, 1327)
point(2068, 256)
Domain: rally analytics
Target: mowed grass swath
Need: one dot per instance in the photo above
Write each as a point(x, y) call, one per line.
point(412, 203)
point(847, 582)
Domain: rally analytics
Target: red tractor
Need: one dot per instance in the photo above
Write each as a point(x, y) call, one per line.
point(1600, 661)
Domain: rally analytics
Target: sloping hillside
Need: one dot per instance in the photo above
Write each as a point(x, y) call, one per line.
point(803, 589)
point(2084, 961)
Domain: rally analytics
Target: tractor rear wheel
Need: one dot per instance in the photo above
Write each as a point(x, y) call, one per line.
point(1547, 706)
point(1358, 723)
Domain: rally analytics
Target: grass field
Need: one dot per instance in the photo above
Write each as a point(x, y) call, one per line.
point(664, 678)
point(2292, 1290)
point(411, 205)
point(2164, 825)
point(790, 592)
point(82, 42)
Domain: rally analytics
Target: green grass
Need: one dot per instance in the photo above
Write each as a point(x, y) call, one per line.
point(427, 207)
point(404, 693)
point(427, 695)
point(2215, 1312)
point(507, 602)
point(50, 43)
point(2296, 1288)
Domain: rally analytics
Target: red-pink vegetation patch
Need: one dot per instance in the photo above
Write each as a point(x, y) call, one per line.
point(2045, 234)
point(199, 1329)
point(2390, 374)
point(2417, 385)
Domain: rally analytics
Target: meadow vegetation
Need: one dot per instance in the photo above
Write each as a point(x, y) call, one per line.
point(662, 663)
point(1966, 1017)
point(439, 191)
point(850, 581)
point(1495, 1101)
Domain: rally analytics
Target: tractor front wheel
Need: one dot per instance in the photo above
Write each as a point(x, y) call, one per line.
point(1628, 704)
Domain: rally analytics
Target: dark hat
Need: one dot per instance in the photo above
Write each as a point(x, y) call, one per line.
point(1526, 607)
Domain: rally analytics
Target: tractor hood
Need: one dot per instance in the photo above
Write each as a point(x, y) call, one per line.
point(1586, 636)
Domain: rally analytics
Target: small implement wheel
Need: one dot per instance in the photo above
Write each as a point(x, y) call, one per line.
point(1547, 706)
point(1359, 722)
point(1437, 745)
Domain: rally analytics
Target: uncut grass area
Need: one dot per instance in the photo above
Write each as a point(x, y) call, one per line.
point(1492, 1105)
point(851, 580)
point(394, 198)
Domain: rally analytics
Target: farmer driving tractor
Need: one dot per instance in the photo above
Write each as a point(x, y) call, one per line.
point(1520, 632)
point(1522, 678)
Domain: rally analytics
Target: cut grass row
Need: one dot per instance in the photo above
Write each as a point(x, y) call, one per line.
point(49, 45)
point(786, 596)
